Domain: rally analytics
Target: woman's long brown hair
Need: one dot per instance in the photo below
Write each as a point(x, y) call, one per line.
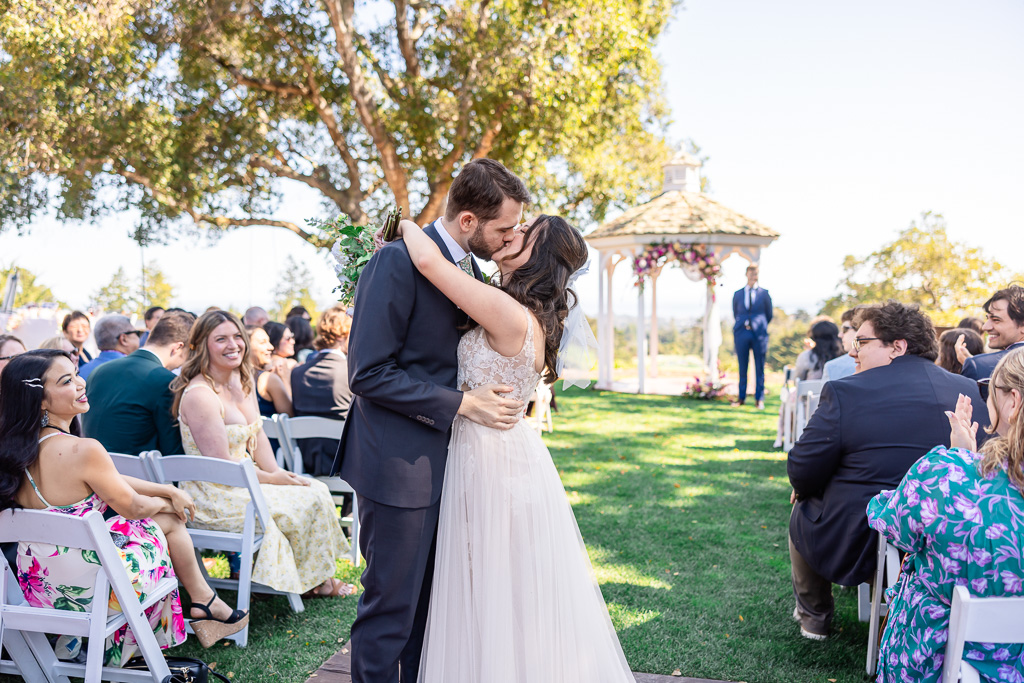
point(541, 284)
point(198, 361)
point(1006, 451)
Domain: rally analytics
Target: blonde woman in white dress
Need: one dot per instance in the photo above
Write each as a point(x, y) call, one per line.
point(514, 598)
point(219, 418)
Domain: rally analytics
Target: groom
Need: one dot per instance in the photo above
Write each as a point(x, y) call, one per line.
point(402, 371)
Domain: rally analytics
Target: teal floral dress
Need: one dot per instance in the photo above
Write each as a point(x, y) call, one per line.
point(63, 578)
point(960, 529)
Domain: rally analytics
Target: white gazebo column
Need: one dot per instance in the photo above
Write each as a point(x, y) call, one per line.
point(654, 322)
point(712, 334)
point(640, 339)
point(603, 376)
point(608, 342)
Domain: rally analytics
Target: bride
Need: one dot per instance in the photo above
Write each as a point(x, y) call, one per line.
point(514, 598)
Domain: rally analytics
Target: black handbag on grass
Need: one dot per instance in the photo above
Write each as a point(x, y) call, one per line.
point(183, 669)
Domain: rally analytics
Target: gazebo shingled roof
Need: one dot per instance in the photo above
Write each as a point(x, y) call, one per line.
point(676, 212)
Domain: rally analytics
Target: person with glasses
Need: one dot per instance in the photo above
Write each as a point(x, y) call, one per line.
point(10, 346)
point(844, 365)
point(115, 337)
point(1004, 324)
point(868, 431)
point(281, 362)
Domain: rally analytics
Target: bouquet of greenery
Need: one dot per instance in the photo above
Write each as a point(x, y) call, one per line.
point(354, 245)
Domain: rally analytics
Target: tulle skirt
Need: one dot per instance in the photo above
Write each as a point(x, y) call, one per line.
point(514, 598)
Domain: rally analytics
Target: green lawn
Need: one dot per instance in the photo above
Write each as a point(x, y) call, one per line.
point(684, 509)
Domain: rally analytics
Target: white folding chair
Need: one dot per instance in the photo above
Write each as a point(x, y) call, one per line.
point(805, 389)
point(296, 428)
point(21, 646)
point(272, 428)
point(979, 620)
point(243, 475)
point(22, 626)
point(541, 417)
point(788, 411)
point(887, 571)
point(138, 466)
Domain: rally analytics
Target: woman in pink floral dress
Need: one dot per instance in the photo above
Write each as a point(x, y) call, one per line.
point(45, 467)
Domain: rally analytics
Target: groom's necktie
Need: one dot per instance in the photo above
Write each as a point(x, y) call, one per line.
point(467, 265)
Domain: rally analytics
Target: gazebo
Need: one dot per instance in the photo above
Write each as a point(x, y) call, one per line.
point(681, 225)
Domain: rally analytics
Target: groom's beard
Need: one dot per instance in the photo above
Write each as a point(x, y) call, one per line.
point(479, 247)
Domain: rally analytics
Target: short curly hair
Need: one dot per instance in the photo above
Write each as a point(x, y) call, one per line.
point(334, 325)
point(893, 320)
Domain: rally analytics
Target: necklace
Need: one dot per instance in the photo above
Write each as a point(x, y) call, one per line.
point(62, 431)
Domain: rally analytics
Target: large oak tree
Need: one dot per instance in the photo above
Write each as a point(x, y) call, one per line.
point(208, 109)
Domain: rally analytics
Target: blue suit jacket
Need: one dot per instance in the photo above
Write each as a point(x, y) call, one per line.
point(868, 431)
point(759, 314)
point(984, 364)
point(402, 370)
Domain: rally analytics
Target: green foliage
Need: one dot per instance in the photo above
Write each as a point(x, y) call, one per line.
point(294, 285)
point(29, 290)
point(948, 279)
point(786, 338)
point(354, 245)
point(126, 295)
point(200, 110)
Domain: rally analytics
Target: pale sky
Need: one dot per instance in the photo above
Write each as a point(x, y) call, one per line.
point(836, 124)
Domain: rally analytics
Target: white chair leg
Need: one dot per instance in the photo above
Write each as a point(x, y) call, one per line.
point(295, 601)
point(864, 602)
point(21, 655)
point(876, 608)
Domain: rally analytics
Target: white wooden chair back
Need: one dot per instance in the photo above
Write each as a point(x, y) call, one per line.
point(805, 390)
point(979, 620)
point(241, 474)
point(296, 428)
point(272, 428)
point(887, 571)
point(138, 466)
point(86, 533)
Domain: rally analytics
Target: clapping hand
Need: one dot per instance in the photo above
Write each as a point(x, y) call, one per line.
point(963, 433)
point(962, 354)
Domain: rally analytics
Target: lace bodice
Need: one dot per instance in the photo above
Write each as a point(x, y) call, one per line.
point(479, 364)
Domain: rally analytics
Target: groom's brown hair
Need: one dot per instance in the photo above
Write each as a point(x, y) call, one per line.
point(481, 188)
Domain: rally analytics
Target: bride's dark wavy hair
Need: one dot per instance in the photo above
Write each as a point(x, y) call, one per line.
point(21, 408)
point(541, 284)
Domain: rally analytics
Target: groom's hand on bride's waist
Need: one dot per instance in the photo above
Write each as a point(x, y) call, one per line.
point(487, 406)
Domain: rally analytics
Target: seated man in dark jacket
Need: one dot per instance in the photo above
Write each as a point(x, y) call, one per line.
point(867, 432)
point(320, 387)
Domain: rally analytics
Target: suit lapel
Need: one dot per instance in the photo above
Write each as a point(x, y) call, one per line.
point(432, 232)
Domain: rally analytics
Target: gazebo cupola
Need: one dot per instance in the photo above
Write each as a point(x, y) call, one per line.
point(681, 225)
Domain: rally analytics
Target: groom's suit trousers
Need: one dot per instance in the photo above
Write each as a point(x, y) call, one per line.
point(387, 636)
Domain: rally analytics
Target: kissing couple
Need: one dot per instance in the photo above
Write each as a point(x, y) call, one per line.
point(475, 568)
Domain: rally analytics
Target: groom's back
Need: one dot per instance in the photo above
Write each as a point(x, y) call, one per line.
point(403, 367)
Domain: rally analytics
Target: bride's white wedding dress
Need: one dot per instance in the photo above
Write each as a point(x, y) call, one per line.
point(514, 598)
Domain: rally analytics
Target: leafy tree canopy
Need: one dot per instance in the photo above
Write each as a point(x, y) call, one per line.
point(948, 279)
point(203, 109)
point(293, 288)
point(30, 291)
point(130, 296)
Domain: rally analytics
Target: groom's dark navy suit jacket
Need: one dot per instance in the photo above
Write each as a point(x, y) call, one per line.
point(403, 366)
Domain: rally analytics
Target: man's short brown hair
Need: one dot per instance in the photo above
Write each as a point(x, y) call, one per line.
point(481, 188)
point(1014, 298)
point(171, 328)
point(334, 325)
point(893, 320)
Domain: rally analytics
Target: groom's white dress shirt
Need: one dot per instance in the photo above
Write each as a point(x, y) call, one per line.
point(457, 252)
point(751, 295)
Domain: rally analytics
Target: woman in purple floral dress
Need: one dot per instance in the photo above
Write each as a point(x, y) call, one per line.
point(45, 467)
point(959, 514)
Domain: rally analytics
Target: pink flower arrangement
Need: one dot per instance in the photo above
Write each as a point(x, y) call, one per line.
point(657, 255)
point(706, 389)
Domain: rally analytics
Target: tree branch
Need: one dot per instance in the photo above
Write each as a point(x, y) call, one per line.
point(285, 90)
point(406, 42)
point(318, 181)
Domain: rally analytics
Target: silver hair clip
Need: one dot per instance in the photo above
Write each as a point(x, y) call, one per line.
point(35, 383)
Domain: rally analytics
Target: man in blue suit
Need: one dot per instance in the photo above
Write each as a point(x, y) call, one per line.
point(1004, 324)
point(752, 310)
point(403, 368)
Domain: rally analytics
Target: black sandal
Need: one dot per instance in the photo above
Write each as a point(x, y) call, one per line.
point(210, 630)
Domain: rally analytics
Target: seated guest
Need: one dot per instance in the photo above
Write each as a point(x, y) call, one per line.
point(868, 430)
point(844, 365)
point(256, 316)
point(272, 395)
point(77, 328)
point(60, 343)
point(303, 332)
point(810, 364)
point(216, 406)
point(131, 397)
point(151, 318)
point(116, 338)
point(948, 341)
point(46, 467)
point(960, 514)
point(299, 311)
point(10, 346)
point(1004, 324)
point(320, 387)
point(972, 323)
point(281, 362)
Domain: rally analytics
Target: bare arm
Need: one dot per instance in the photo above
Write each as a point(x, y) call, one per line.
point(501, 316)
point(279, 394)
point(267, 471)
point(99, 473)
point(202, 412)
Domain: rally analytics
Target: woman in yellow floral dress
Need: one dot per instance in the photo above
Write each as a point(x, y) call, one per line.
point(219, 417)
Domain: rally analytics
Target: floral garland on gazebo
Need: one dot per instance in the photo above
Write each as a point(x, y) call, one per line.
point(657, 254)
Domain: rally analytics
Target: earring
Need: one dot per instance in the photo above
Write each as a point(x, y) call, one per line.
point(46, 419)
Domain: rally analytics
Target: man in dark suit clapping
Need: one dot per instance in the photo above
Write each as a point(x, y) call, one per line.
point(130, 398)
point(868, 430)
point(752, 310)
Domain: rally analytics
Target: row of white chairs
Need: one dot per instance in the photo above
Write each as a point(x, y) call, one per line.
point(796, 413)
